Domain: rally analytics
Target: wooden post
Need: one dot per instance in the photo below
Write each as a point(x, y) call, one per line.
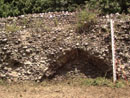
point(113, 51)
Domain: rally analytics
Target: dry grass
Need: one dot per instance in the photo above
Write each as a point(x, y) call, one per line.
point(12, 28)
point(64, 89)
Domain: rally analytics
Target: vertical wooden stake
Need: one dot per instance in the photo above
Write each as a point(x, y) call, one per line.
point(113, 51)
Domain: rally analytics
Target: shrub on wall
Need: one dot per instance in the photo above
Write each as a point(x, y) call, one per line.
point(86, 19)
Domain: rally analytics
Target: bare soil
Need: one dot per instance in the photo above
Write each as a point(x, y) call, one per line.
point(60, 90)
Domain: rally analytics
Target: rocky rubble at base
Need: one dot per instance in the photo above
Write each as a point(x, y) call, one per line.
point(37, 46)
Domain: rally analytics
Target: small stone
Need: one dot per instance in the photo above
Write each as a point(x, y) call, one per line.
point(27, 63)
point(77, 44)
point(13, 74)
point(25, 47)
point(4, 40)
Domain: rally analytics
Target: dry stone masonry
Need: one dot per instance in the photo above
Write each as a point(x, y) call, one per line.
point(45, 45)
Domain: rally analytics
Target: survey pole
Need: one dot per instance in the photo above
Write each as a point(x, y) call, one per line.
point(113, 50)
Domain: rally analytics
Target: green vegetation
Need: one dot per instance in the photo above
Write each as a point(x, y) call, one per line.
point(56, 22)
point(99, 81)
point(3, 82)
point(11, 28)
point(86, 20)
point(110, 6)
point(24, 21)
point(18, 7)
point(104, 82)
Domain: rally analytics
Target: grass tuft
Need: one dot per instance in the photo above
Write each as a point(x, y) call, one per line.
point(12, 28)
point(86, 20)
point(3, 82)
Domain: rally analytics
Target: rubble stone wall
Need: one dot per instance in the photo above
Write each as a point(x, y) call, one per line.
point(35, 46)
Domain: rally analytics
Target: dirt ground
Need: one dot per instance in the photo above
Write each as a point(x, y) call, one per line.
point(44, 90)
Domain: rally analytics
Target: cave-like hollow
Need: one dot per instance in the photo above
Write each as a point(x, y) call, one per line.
point(79, 63)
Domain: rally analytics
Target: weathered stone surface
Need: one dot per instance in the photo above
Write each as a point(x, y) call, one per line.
point(47, 42)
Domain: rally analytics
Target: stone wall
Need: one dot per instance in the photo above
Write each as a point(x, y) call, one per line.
point(34, 47)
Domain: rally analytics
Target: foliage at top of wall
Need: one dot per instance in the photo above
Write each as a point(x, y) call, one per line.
point(18, 7)
point(110, 6)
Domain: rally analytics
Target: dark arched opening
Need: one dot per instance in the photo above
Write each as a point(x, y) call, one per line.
point(79, 63)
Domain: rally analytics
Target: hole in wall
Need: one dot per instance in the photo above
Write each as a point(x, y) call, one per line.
point(79, 63)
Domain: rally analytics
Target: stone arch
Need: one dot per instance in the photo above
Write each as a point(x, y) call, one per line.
point(78, 62)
